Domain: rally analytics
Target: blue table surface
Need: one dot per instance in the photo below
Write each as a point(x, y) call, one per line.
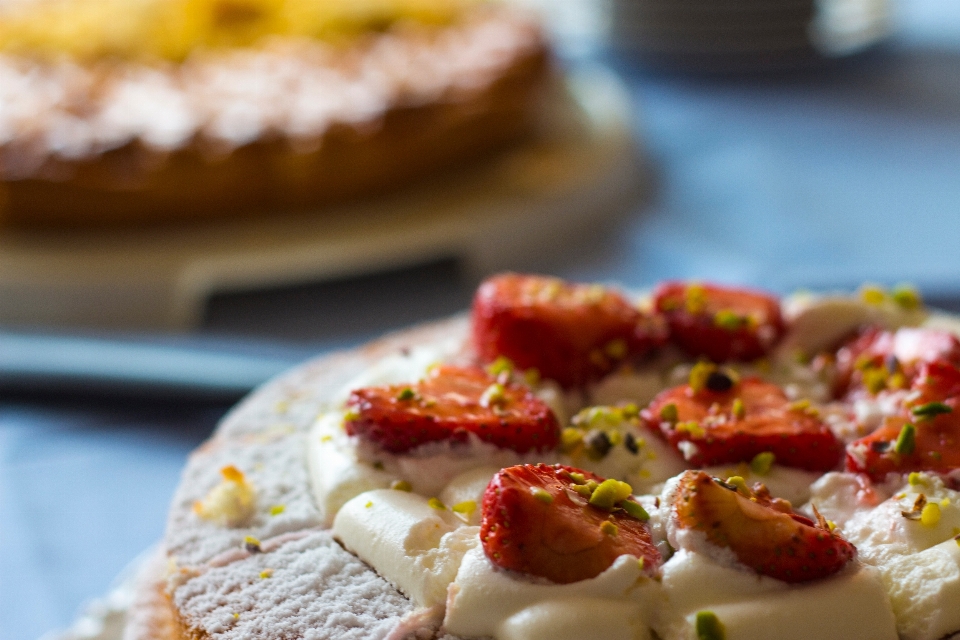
point(819, 179)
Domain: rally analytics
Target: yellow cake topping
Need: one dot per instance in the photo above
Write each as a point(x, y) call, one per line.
point(171, 29)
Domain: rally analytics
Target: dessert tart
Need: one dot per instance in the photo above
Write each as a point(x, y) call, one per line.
point(704, 462)
point(116, 112)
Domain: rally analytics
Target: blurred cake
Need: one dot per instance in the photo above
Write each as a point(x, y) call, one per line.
point(133, 111)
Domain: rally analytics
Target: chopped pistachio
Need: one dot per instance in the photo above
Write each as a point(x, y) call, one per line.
point(709, 627)
point(669, 413)
point(610, 492)
point(930, 515)
point(326, 438)
point(641, 562)
point(729, 320)
point(699, 375)
point(737, 409)
point(930, 410)
point(351, 415)
point(762, 462)
point(369, 504)
point(436, 504)
point(501, 365)
point(570, 437)
point(401, 485)
point(695, 298)
point(916, 479)
point(277, 509)
point(873, 294)
point(495, 395)
point(635, 510)
point(542, 495)
point(251, 544)
point(608, 528)
point(693, 428)
point(406, 394)
point(615, 438)
point(739, 484)
point(906, 441)
point(467, 507)
point(578, 477)
point(266, 573)
point(583, 490)
point(907, 297)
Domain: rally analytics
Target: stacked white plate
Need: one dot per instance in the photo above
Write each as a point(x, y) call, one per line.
point(735, 35)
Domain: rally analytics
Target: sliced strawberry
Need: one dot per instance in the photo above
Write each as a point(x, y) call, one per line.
point(571, 333)
point(720, 323)
point(925, 436)
point(762, 532)
point(726, 420)
point(449, 404)
point(877, 360)
point(539, 520)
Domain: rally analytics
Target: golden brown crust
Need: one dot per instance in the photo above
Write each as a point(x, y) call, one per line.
point(134, 185)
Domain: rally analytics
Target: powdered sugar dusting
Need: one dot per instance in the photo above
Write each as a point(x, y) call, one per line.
point(315, 589)
point(312, 588)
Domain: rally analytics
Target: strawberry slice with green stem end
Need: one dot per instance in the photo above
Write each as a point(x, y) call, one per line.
point(570, 333)
point(563, 524)
point(450, 404)
point(924, 436)
point(720, 323)
point(719, 419)
point(763, 532)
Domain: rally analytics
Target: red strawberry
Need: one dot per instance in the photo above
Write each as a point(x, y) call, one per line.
point(725, 420)
point(571, 333)
point(876, 360)
point(450, 403)
point(542, 520)
point(925, 436)
point(761, 531)
point(720, 323)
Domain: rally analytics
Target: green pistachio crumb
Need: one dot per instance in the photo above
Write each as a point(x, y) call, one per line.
point(542, 495)
point(916, 479)
point(583, 490)
point(873, 294)
point(709, 627)
point(737, 409)
point(495, 395)
point(669, 413)
point(467, 507)
point(277, 509)
point(729, 320)
point(401, 485)
point(609, 528)
point(907, 297)
point(570, 437)
point(739, 484)
point(906, 441)
point(930, 410)
point(436, 504)
point(578, 477)
point(369, 504)
point(635, 510)
point(762, 462)
point(406, 395)
point(502, 364)
point(610, 492)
